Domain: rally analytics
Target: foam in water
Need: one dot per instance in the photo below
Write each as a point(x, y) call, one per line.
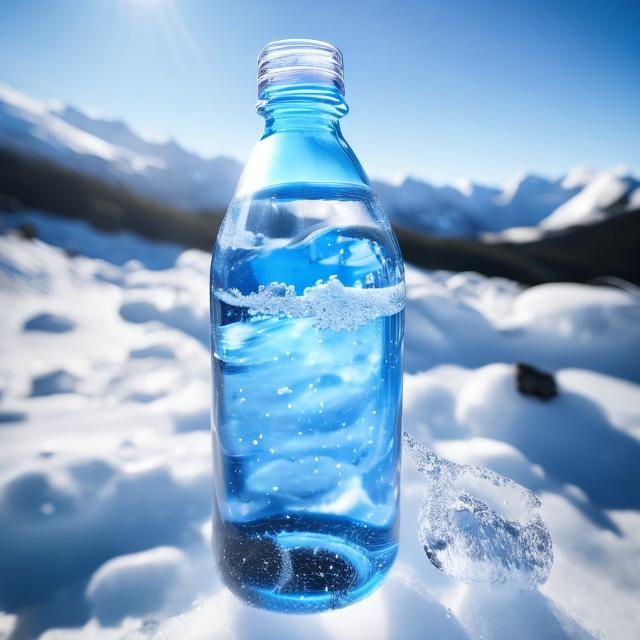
point(331, 304)
point(478, 526)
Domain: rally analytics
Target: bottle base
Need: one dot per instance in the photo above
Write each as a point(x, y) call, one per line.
point(301, 571)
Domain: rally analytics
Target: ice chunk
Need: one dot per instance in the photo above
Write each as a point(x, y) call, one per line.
point(330, 304)
point(478, 526)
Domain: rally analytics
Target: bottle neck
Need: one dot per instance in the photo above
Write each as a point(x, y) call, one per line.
point(301, 107)
point(301, 97)
point(302, 142)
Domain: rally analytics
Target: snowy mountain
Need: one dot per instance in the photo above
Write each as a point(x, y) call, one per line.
point(606, 190)
point(169, 173)
point(531, 202)
point(109, 149)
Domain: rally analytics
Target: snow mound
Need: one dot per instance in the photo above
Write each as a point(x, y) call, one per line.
point(7, 625)
point(331, 304)
point(135, 584)
point(472, 321)
point(478, 526)
point(586, 451)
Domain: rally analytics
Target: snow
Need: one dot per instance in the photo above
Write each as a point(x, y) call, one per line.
point(579, 176)
point(605, 190)
point(135, 584)
point(604, 464)
point(472, 321)
point(597, 195)
point(514, 234)
point(105, 482)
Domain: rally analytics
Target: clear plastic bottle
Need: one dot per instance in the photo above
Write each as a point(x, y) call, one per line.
point(307, 314)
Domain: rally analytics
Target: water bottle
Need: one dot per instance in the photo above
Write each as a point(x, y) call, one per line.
point(307, 322)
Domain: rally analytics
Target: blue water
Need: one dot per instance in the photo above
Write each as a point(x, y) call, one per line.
point(307, 399)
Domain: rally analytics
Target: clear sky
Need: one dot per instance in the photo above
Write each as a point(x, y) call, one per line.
point(438, 90)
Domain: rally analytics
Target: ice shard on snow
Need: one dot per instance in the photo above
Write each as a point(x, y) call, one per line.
point(478, 526)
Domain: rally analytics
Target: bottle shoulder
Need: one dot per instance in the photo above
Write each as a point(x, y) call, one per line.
point(301, 156)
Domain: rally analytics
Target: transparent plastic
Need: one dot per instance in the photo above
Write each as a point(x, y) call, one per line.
point(307, 316)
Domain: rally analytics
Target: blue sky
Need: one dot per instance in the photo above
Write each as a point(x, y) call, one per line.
point(437, 90)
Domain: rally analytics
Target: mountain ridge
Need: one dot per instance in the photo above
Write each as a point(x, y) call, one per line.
point(606, 248)
point(528, 206)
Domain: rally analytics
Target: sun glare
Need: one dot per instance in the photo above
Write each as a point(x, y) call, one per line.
point(165, 17)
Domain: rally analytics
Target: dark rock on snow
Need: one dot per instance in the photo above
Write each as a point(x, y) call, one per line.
point(534, 382)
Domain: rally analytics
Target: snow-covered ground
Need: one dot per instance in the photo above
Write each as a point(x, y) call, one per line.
point(105, 466)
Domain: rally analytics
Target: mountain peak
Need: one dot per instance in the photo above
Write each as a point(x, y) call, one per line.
point(110, 149)
point(579, 176)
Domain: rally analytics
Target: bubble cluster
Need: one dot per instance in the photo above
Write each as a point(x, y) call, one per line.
point(330, 304)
